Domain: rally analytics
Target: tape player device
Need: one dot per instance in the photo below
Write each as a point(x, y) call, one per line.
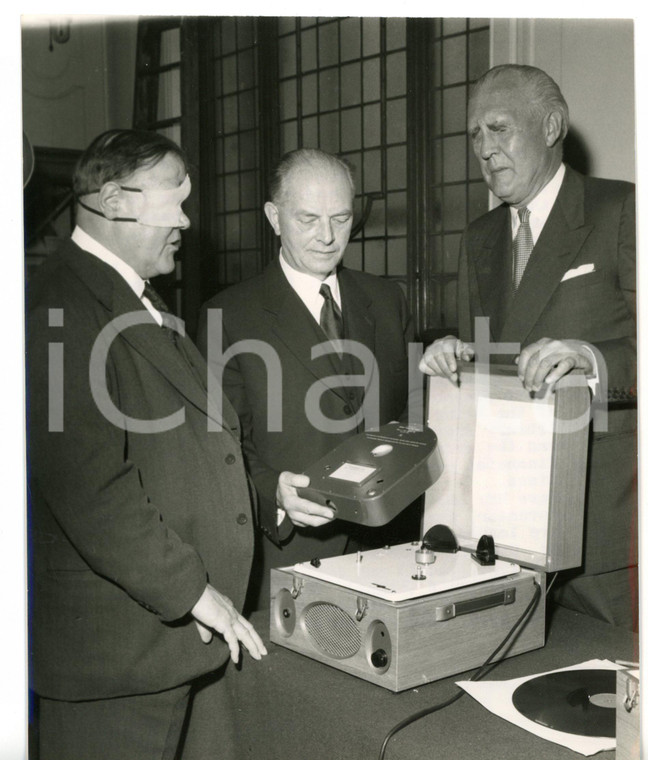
point(506, 506)
point(371, 477)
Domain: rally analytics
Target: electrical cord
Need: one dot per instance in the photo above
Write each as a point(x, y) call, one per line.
point(479, 673)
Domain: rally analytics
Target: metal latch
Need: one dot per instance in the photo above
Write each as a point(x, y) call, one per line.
point(361, 608)
point(297, 586)
point(632, 695)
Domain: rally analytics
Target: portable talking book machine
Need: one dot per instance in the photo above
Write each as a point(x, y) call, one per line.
point(373, 476)
point(504, 505)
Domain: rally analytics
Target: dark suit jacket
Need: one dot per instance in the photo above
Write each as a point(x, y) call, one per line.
point(266, 308)
point(126, 527)
point(592, 222)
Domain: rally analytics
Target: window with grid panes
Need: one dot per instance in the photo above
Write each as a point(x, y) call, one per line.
point(169, 107)
point(459, 55)
point(168, 118)
point(342, 85)
point(233, 151)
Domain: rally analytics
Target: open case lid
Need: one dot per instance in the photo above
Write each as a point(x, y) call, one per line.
point(514, 464)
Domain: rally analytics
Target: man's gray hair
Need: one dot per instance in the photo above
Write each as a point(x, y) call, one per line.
point(543, 93)
point(304, 158)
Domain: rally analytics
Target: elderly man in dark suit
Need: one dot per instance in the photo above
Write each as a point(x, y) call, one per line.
point(553, 268)
point(141, 524)
point(302, 299)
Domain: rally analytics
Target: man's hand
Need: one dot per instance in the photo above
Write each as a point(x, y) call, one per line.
point(302, 512)
point(547, 360)
point(215, 612)
point(440, 358)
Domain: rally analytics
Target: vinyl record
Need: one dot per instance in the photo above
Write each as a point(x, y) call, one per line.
point(574, 701)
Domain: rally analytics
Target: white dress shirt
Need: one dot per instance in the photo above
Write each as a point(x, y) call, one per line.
point(540, 207)
point(307, 287)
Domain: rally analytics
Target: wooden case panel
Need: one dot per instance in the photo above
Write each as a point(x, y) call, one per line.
point(420, 647)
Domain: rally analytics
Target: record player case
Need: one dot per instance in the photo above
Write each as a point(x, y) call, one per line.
point(321, 611)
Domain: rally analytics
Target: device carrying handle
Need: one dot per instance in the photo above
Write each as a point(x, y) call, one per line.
point(452, 610)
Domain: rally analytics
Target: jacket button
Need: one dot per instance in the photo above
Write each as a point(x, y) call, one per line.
point(241, 518)
point(230, 459)
point(346, 409)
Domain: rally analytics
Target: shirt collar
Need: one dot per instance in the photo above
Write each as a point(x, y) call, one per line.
point(93, 246)
point(307, 287)
point(540, 207)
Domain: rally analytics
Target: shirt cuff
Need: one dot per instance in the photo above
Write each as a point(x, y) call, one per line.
point(593, 382)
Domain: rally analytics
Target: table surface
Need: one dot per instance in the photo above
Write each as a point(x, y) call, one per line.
point(295, 708)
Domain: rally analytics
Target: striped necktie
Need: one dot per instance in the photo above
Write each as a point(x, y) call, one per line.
point(522, 246)
point(331, 316)
point(169, 321)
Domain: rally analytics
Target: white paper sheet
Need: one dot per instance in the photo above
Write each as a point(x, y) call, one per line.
point(497, 696)
point(511, 472)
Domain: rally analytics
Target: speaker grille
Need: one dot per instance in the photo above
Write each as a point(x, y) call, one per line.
point(333, 630)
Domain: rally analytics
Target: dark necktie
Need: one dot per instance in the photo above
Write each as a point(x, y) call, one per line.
point(170, 325)
point(168, 319)
point(522, 246)
point(330, 316)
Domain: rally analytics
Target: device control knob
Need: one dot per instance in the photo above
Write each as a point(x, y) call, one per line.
point(425, 556)
point(379, 658)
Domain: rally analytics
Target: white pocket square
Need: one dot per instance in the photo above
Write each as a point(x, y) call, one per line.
point(583, 269)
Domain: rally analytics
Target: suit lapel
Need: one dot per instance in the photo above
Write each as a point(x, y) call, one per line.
point(153, 344)
point(359, 324)
point(558, 245)
point(145, 337)
point(295, 327)
point(492, 263)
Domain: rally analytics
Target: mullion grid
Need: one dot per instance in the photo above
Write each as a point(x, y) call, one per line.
point(319, 70)
point(169, 125)
point(440, 307)
point(232, 261)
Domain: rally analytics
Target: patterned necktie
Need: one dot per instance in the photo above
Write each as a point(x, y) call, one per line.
point(330, 316)
point(522, 246)
point(168, 319)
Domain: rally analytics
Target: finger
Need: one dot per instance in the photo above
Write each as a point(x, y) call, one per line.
point(564, 366)
point(468, 352)
point(538, 372)
point(310, 514)
point(205, 634)
point(310, 521)
point(441, 363)
point(251, 639)
point(523, 360)
point(448, 366)
point(529, 363)
point(294, 479)
point(304, 508)
point(428, 363)
point(232, 642)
